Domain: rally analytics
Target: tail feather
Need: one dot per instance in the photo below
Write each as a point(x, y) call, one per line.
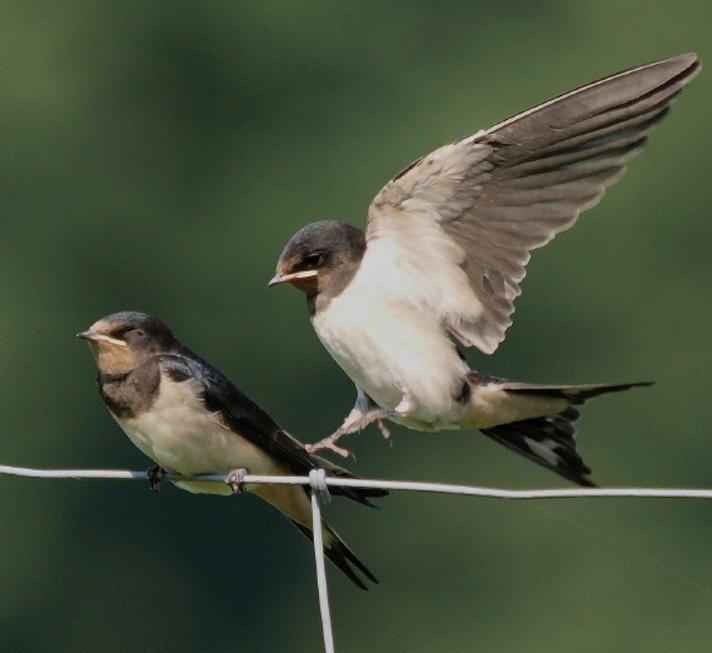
point(551, 441)
point(548, 441)
point(575, 394)
point(340, 554)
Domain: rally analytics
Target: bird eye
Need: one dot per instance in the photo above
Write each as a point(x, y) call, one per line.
point(125, 332)
point(314, 260)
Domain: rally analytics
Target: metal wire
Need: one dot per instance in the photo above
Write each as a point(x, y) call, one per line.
point(413, 486)
point(319, 489)
point(319, 492)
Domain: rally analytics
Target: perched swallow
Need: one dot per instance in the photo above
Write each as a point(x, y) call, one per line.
point(190, 419)
point(445, 251)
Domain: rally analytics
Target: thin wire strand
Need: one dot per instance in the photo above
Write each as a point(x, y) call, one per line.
point(320, 483)
point(413, 486)
point(318, 490)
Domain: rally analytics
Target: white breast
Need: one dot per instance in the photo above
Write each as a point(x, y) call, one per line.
point(180, 435)
point(391, 348)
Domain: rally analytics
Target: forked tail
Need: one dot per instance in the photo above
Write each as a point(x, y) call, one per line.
point(340, 554)
point(551, 441)
point(576, 394)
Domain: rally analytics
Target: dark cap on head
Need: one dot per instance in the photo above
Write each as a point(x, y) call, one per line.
point(137, 330)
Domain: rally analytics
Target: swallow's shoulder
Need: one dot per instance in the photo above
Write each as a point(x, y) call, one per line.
point(219, 393)
point(185, 366)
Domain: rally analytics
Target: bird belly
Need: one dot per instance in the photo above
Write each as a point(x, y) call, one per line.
point(391, 351)
point(394, 352)
point(179, 434)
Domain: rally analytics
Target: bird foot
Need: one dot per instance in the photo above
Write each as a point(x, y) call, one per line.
point(330, 444)
point(155, 477)
point(356, 421)
point(385, 431)
point(236, 480)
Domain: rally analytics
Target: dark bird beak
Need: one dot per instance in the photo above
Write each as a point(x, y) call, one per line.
point(294, 277)
point(275, 280)
point(85, 335)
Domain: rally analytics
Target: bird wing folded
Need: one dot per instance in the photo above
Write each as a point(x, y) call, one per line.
point(238, 411)
point(245, 418)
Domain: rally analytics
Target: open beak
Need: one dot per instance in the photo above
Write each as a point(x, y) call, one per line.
point(294, 277)
point(92, 336)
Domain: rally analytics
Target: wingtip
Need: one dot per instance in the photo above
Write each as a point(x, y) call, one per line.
point(682, 61)
point(687, 65)
point(689, 57)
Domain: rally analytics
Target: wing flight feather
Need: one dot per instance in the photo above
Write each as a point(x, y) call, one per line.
point(464, 218)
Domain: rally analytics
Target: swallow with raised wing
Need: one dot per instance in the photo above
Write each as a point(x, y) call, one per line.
point(441, 263)
point(190, 419)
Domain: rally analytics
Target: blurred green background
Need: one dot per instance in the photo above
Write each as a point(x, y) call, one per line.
point(157, 156)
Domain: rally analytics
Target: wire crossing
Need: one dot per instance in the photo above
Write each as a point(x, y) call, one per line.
point(319, 484)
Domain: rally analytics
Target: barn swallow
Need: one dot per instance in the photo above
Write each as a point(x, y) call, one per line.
point(190, 419)
point(443, 256)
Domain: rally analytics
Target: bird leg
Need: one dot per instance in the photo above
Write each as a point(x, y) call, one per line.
point(236, 480)
point(356, 420)
point(155, 477)
point(364, 412)
point(403, 409)
point(385, 431)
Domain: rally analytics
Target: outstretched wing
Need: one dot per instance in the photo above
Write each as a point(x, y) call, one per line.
point(457, 226)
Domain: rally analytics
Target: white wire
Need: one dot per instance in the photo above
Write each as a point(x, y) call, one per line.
point(320, 483)
point(413, 486)
point(319, 489)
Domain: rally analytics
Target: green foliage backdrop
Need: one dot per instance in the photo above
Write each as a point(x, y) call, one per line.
point(156, 156)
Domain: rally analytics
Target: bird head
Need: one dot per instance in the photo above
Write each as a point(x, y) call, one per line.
point(321, 256)
point(121, 341)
